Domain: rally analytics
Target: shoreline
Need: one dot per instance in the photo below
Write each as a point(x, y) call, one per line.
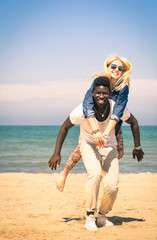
point(77, 174)
point(31, 207)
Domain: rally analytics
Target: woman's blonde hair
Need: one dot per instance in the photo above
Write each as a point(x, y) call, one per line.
point(124, 79)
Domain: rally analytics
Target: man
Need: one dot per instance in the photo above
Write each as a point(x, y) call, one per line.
point(101, 164)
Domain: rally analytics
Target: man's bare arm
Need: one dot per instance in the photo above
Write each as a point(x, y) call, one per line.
point(136, 135)
point(56, 157)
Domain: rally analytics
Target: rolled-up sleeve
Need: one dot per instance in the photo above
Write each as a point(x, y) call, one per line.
point(88, 103)
point(120, 103)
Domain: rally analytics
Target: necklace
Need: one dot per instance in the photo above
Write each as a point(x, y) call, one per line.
point(102, 114)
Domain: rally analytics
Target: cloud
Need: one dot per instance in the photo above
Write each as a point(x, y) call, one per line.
point(51, 102)
point(142, 100)
point(47, 90)
point(143, 93)
point(144, 89)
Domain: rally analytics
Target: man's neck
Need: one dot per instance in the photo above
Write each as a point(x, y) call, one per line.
point(102, 111)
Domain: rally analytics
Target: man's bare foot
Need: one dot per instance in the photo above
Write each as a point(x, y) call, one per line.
point(61, 181)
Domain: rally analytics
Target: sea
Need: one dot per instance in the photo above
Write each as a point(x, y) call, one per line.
point(29, 148)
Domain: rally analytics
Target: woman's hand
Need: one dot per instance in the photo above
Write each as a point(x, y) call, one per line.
point(99, 140)
point(54, 161)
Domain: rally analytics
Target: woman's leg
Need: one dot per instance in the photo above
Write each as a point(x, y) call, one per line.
point(61, 179)
point(73, 159)
point(120, 145)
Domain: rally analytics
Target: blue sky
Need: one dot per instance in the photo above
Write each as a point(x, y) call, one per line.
point(49, 48)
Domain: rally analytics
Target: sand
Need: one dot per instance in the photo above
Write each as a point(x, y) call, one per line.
point(31, 207)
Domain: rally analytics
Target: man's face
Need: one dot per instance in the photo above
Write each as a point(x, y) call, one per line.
point(101, 95)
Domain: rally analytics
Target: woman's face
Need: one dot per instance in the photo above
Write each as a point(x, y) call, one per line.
point(115, 69)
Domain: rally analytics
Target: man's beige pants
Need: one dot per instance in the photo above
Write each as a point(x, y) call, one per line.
point(100, 165)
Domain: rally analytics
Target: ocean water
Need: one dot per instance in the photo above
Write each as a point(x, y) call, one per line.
point(28, 149)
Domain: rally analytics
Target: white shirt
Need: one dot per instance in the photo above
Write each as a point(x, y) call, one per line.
point(77, 117)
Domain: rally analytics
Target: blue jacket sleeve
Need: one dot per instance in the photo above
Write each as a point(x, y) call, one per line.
point(121, 99)
point(88, 103)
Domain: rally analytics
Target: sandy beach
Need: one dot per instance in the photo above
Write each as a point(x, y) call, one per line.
point(31, 207)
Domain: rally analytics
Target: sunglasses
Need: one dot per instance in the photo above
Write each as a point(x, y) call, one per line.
point(114, 66)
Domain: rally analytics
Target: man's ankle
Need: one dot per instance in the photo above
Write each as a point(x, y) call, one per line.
point(101, 214)
point(90, 213)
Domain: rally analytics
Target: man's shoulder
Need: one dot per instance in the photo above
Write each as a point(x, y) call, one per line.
point(77, 114)
point(78, 109)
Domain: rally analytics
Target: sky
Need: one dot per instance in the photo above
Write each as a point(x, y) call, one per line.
point(48, 50)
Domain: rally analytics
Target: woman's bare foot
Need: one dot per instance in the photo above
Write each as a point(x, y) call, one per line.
point(61, 181)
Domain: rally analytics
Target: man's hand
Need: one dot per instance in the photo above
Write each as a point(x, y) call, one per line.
point(54, 161)
point(138, 153)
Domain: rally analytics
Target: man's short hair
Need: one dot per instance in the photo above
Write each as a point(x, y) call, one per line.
point(102, 81)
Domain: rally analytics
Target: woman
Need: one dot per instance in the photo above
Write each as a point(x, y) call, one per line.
point(118, 70)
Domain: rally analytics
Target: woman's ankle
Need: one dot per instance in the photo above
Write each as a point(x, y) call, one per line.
point(65, 172)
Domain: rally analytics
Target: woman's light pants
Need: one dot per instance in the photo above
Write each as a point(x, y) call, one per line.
point(100, 165)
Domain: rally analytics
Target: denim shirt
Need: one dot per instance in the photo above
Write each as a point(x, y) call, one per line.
point(120, 98)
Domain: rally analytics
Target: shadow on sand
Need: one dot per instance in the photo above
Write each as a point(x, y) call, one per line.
point(119, 220)
point(114, 219)
point(68, 219)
